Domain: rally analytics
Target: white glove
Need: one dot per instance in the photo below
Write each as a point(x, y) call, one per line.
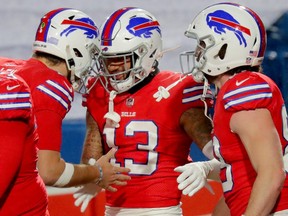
point(85, 194)
point(193, 176)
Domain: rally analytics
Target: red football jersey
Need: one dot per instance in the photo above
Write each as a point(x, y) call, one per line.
point(22, 191)
point(149, 140)
point(245, 91)
point(52, 97)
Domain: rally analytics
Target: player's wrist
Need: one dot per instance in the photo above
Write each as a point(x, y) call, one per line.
point(97, 181)
point(94, 163)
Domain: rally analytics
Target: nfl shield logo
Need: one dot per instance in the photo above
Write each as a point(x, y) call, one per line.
point(130, 102)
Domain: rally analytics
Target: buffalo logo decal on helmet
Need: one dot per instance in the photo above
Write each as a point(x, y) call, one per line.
point(85, 24)
point(140, 26)
point(220, 21)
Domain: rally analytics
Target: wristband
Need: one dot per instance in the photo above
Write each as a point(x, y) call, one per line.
point(93, 162)
point(66, 176)
point(100, 172)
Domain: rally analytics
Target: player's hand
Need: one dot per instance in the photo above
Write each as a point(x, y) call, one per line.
point(112, 175)
point(84, 195)
point(193, 176)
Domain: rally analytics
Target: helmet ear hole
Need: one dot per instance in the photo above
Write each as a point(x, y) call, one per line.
point(222, 51)
point(153, 54)
point(255, 41)
point(77, 52)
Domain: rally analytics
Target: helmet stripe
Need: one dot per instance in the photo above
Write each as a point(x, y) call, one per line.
point(261, 30)
point(232, 24)
point(106, 37)
point(79, 23)
point(147, 25)
point(42, 31)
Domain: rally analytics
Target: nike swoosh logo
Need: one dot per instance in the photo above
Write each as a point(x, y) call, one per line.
point(238, 83)
point(9, 88)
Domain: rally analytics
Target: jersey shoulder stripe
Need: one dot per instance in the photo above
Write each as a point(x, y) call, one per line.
point(57, 92)
point(15, 100)
point(253, 94)
point(194, 93)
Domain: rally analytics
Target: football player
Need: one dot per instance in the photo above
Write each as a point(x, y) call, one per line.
point(63, 51)
point(150, 116)
point(22, 191)
point(250, 119)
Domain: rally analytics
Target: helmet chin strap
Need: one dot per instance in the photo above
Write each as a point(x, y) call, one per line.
point(112, 117)
point(71, 65)
point(203, 96)
point(75, 85)
point(198, 76)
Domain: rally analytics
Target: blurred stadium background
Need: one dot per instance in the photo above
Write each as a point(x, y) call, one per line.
point(18, 23)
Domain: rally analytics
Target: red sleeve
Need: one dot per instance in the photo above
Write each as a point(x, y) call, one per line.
point(49, 126)
point(12, 140)
point(187, 95)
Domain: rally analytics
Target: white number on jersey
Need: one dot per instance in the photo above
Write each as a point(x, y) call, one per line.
point(228, 184)
point(133, 127)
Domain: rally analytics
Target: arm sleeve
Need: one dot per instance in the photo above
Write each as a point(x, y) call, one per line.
point(49, 126)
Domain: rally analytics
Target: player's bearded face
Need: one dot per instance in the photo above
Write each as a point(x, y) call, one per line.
point(118, 65)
